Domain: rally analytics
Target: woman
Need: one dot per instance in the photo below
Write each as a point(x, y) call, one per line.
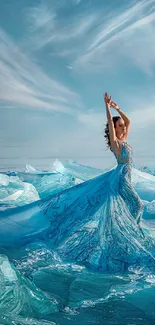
point(116, 133)
point(95, 223)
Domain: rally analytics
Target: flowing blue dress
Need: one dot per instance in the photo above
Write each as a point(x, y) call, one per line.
point(96, 223)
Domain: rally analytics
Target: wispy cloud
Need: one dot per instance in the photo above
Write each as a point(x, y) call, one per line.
point(41, 22)
point(118, 36)
point(77, 2)
point(41, 18)
point(48, 27)
point(24, 84)
point(93, 119)
point(128, 34)
point(69, 67)
point(100, 38)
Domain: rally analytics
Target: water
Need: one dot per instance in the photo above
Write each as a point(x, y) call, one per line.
point(37, 286)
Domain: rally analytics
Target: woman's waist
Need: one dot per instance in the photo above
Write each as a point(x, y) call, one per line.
point(121, 174)
point(126, 167)
point(124, 161)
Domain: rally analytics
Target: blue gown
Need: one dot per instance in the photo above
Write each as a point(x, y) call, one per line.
point(96, 223)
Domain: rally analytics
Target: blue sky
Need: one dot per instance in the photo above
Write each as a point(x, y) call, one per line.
point(56, 60)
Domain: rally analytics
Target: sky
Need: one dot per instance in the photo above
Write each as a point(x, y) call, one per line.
point(57, 58)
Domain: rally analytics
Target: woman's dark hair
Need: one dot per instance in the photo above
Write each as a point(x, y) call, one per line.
point(107, 135)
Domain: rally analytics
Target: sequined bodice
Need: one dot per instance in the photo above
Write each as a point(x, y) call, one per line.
point(125, 156)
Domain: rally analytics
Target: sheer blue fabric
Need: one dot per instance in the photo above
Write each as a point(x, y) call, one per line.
point(96, 223)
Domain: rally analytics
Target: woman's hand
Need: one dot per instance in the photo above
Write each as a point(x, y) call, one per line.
point(109, 102)
point(107, 99)
point(114, 105)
